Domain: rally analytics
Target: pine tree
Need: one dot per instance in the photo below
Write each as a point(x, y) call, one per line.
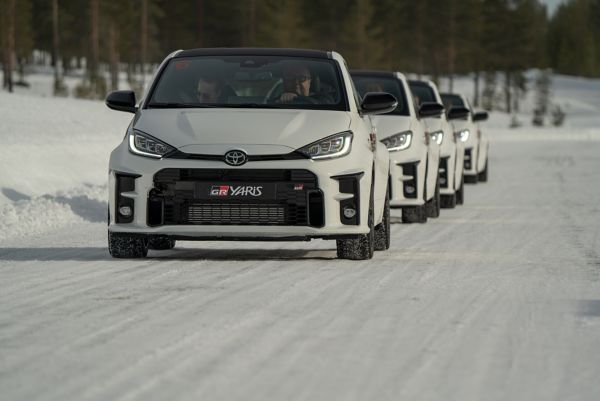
point(59, 87)
point(7, 19)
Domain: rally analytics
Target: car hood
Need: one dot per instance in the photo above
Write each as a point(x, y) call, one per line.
point(433, 124)
point(460, 124)
point(390, 125)
point(215, 131)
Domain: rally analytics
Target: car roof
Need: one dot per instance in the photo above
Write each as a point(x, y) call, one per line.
point(253, 51)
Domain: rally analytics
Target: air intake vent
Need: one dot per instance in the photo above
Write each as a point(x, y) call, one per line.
point(236, 214)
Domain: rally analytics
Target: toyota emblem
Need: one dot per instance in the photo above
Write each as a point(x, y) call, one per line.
point(235, 158)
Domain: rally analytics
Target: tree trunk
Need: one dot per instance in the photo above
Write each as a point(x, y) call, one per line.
point(507, 91)
point(95, 40)
point(362, 27)
point(516, 95)
point(419, 37)
point(251, 34)
point(8, 45)
point(144, 38)
point(200, 23)
point(56, 47)
point(65, 65)
point(113, 55)
point(476, 89)
point(451, 44)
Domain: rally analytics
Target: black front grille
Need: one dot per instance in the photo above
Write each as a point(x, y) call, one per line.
point(409, 170)
point(443, 171)
point(236, 214)
point(297, 199)
point(468, 158)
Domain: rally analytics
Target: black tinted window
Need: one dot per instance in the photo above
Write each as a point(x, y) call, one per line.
point(452, 100)
point(366, 83)
point(422, 93)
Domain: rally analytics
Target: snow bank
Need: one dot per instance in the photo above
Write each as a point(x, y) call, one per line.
point(52, 144)
point(54, 161)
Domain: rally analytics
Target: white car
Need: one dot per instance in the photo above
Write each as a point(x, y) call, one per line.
point(249, 144)
point(452, 149)
point(414, 154)
point(468, 130)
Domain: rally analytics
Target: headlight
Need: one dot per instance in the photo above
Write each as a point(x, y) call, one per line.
point(398, 141)
point(463, 135)
point(437, 137)
point(333, 146)
point(145, 145)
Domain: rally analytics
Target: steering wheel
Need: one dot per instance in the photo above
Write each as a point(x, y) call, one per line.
point(304, 100)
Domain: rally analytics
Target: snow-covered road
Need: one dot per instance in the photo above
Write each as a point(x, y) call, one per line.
point(495, 300)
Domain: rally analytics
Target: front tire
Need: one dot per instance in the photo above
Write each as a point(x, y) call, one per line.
point(432, 207)
point(448, 201)
point(414, 214)
point(382, 231)
point(460, 192)
point(483, 176)
point(472, 179)
point(362, 246)
point(127, 247)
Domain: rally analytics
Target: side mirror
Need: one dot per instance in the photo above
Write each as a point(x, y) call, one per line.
point(457, 112)
point(430, 109)
point(378, 103)
point(480, 116)
point(121, 101)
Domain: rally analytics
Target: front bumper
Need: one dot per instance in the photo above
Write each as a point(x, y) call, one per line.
point(470, 161)
point(407, 175)
point(309, 201)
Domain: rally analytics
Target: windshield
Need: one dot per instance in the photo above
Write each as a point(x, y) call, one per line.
point(250, 81)
point(374, 83)
point(422, 93)
point(452, 101)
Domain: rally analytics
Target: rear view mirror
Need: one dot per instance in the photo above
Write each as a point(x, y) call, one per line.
point(457, 112)
point(378, 103)
point(430, 109)
point(121, 101)
point(480, 116)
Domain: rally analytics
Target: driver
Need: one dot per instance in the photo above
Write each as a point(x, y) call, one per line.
point(297, 82)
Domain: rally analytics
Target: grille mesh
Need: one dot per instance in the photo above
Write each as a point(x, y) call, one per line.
point(236, 214)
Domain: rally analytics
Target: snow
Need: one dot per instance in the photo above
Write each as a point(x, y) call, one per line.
point(496, 300)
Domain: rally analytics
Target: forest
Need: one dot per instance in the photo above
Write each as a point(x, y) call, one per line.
point(484, 38)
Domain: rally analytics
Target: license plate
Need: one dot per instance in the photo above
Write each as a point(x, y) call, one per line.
point(231, 190)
